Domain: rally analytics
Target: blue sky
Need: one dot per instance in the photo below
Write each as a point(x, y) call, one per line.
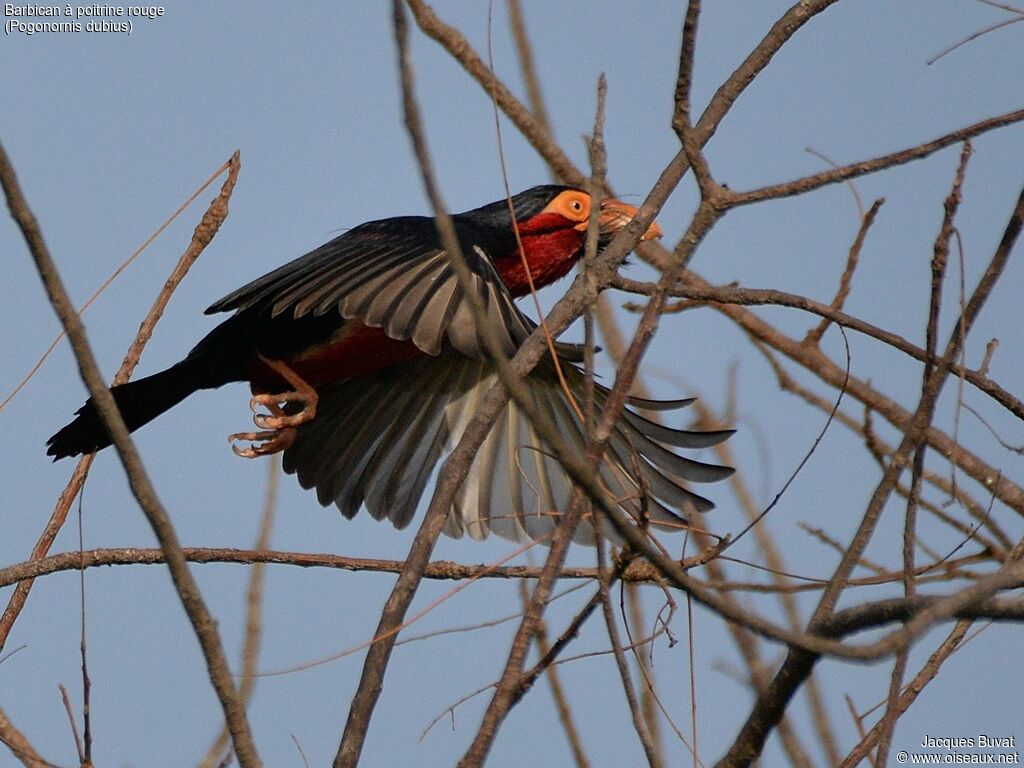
point(109, 133)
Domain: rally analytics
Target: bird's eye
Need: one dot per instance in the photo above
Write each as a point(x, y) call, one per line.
point(571, 204)
point(576, 206)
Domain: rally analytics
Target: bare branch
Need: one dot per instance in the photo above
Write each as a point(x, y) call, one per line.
point(211, 220)
point(202, 622)
point(253, 612)
point(846, 279)
point(818, 180)
point(20, 747)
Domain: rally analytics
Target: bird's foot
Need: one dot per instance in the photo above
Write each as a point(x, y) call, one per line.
point(278, 417)
point(277, 425)
point(265, 443)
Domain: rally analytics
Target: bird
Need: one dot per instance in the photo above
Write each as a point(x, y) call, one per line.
point(366, 366)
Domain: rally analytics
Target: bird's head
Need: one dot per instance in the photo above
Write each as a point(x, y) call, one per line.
point(552, 224)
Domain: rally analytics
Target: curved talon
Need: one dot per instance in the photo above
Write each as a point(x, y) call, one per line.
point(273, 441)
point(282, 421)
point(278, 418)
point(277, 428)
point(265, 421)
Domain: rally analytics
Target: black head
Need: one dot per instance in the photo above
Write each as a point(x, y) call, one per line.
point(526, 204)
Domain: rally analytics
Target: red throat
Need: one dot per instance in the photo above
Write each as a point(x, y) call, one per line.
point(550, 254)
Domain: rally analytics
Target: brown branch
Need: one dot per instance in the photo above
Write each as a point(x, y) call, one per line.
point(557, 690)
point(846, 279)
point(911, 691)
point(202, 622)
point(681, 116)
point(853, 170)
point(20, 746)
point(253, 612)
point(525, 52)
point(639, 724)
point(638, 572)
point(210, 221)
point(446, 570)
point(531, 127)
point(769, 708)
point(694, 289)
point(940, 260)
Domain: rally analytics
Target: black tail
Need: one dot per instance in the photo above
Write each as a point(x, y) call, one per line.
point(140, 402)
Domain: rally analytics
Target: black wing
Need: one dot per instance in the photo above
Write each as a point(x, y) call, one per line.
point(390, 274)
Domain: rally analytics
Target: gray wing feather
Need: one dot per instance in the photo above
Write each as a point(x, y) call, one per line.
point(399, 281)
point(378, 439)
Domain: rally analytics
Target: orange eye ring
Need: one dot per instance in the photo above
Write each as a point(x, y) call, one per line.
point(572, 204)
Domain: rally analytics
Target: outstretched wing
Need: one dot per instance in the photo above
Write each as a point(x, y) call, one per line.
point(377, 440)
point(393, 275)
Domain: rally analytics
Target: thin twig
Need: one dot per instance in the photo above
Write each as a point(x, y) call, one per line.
point(211, 220)
point(74, 727)
point(855, 170)
point(850, 184)
point(799, 663)
point(565, 716)
point(121, 268)
point(846, 279)
point(732, 296)
point(980, 33)
point(20, 746)
point(940, 261)
point(202, 622)
point(86, 757)
point(643, 734)
point(253, 612)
